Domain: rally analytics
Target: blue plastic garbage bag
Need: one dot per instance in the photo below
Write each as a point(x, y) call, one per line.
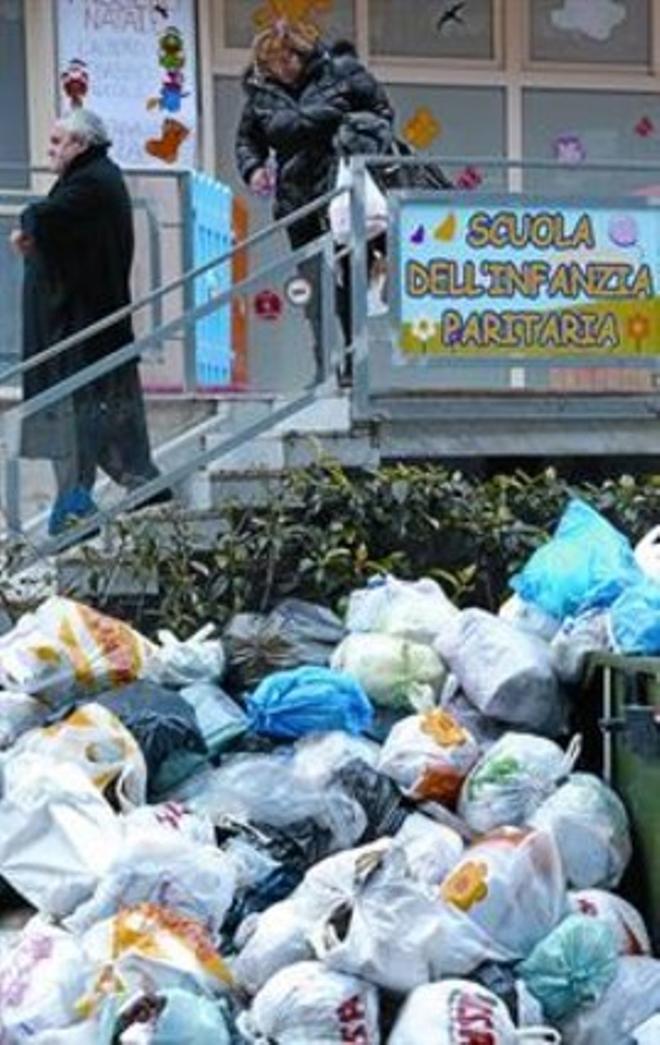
point(635, 619)
point(573, 966)
point(290, 704)
point(586, 564)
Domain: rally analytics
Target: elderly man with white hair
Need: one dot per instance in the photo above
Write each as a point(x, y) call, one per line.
point(77, 246)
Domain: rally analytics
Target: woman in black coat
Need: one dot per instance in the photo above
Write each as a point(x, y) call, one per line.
point(77, 245)
point(298, 94)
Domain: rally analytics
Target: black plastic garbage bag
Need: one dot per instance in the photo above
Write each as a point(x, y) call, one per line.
point(295, 633)
point(297, 846)
point(166, 729)
point(277, 885)
point(382, 802)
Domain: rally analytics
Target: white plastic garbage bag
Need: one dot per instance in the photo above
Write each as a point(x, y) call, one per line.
point(631, 1000)
point(279, 935)
point(648, 1033)
point(577, 638)
point(150, 948)
point(647, 553)
point(428, 756)
point(431, 849)
point(58, 835)
point(388, 932)
point(508, 892)
point(41, 980)
point(18, 713)
point(369, 608)
point(528, 617)
point(319, 756)
point(66, 650)
point(270, 941)
point(94, 739)
point(505, 672)
point(591, 828)
point(513, 779)
point(392, 671)
point(183, 662)
point(631, 933)
point(175, 816)
point(457, 1012)
point(164, 868)
point(309, 1003)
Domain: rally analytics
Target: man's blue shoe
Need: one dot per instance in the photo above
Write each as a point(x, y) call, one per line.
point(70, 508)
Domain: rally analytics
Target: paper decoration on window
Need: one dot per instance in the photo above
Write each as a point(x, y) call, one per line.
point(422, 128)
point(595, 18)
point(645, 127)
point(469, 178)
point(639, 329)
point(446, 230)
point(418, 236)
point(452, 16)
point(569, 149)
point(75, 82)
point(293, 11)
point(139, 59)
point(623, 231)
point(171, 59)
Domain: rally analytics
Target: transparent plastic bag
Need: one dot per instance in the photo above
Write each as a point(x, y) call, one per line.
point(369, 608)
point(573, 966)
point(429, 755)
point(265, 789)
point(513, 779)
point(460, 1011)
point(631, 934)
point(308, 1003)
point(18, 713)
point(394, 672)
point(591, 827)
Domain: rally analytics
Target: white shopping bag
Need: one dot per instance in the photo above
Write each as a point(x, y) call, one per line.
point(339, 211)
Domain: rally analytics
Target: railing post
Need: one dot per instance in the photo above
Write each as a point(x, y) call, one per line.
point(358, 260)
point(188, 251)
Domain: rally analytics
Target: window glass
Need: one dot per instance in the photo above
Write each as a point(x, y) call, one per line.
point(599, 31)
point(429, 29)
point(575, 127)
point(243, 18)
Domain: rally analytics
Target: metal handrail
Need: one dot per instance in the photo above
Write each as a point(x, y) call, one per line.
point(126, 311)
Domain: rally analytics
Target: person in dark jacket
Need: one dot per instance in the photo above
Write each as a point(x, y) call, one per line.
point(77, 246)
point(298, 94)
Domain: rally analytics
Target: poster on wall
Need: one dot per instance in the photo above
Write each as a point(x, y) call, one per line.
point(510, 277)
point(134, 63)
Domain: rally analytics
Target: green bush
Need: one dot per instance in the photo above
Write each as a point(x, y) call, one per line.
point(326, 531)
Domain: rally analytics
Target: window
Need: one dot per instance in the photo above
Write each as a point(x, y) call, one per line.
point(614, 32)
point(431, 29)
point(13, 94)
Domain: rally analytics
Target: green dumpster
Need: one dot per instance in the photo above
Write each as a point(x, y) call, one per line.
point(630, 688)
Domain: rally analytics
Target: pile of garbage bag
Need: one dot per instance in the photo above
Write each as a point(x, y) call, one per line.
point(315, 830)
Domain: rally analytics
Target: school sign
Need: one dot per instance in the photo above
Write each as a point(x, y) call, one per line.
point(488, 277)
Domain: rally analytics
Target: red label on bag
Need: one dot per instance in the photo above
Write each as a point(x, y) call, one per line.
point(473, 1018)
point(352, 1024)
